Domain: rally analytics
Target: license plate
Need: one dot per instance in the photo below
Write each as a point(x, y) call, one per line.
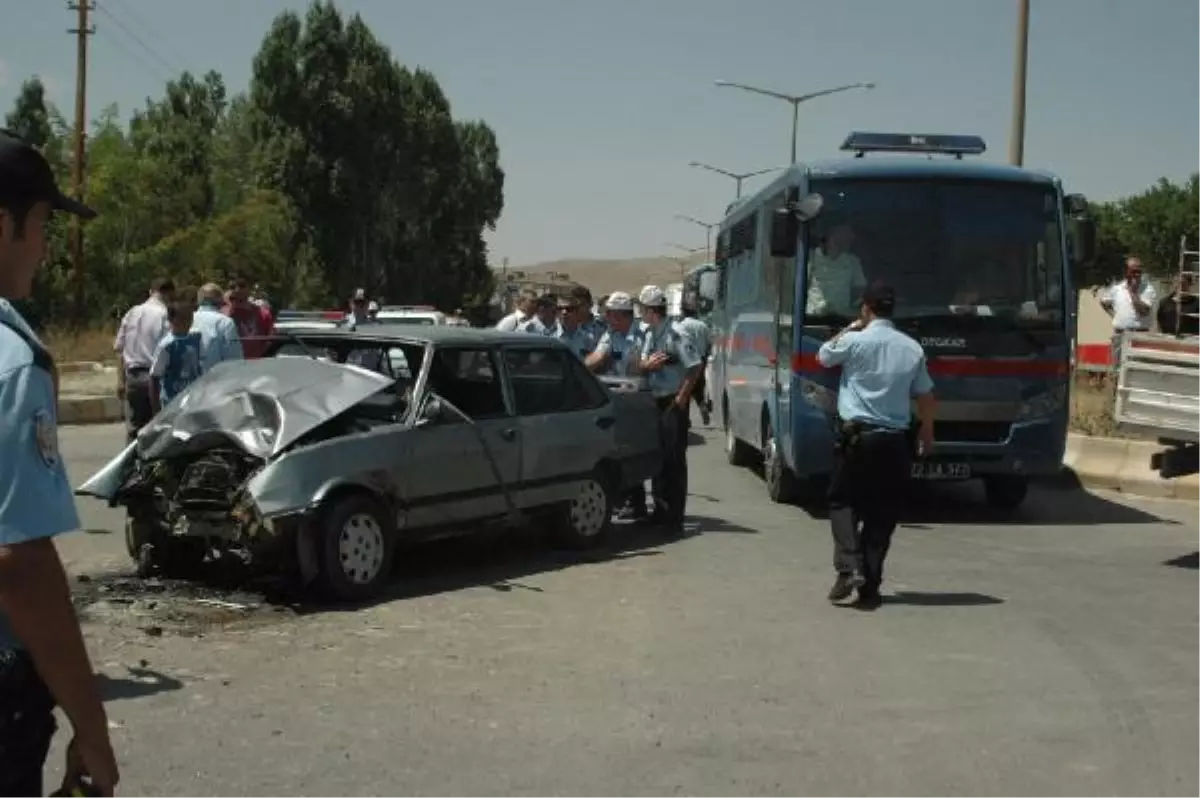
point(941, 471)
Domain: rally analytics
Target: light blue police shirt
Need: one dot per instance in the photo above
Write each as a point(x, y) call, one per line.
point(219, 335)
point(698, 330)
point(35, 496)
point(668, 338)
point(882, 370)
point(623, 350)
point(582, 341)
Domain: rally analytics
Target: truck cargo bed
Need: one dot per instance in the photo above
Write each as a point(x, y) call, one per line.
point(1158, 386)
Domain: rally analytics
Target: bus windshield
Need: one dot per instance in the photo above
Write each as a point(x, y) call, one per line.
point(978, 253)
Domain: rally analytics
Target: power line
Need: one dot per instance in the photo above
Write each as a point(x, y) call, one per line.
point(171, 68)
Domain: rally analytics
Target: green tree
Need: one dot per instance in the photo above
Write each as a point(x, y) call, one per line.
point(30, 117)
point(1148, 225)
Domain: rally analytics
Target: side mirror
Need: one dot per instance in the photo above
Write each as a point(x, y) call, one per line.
point(1081, 233)
point(785, 233)
point(1075, 205)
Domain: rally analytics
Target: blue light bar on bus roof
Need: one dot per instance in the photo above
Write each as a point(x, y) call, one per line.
point(860, 143)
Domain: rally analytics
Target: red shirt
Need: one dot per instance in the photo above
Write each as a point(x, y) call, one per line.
point(253, 322)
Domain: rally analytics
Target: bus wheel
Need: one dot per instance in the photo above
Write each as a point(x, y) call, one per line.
point(737, 452)
point(782, 485)
point(1005, 492)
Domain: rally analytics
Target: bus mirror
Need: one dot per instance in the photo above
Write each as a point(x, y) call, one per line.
point(809, 207)
point(1083, 239)
point(1075, 204)
point(785, 233)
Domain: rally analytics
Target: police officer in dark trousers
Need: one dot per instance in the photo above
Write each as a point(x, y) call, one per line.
point(672, 366)
point(43, 660)
point(882, 371)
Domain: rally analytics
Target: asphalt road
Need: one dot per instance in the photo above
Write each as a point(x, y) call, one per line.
point(1053, 654)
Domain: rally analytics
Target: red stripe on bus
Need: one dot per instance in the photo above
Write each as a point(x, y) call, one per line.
point(962, 367)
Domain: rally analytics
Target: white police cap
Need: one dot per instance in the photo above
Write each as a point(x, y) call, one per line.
point(653, 297)
point(619, 300)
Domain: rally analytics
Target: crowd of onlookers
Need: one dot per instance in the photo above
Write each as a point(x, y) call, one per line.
point(166, 342)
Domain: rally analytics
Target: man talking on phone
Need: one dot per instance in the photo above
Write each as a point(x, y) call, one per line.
point(882, 371)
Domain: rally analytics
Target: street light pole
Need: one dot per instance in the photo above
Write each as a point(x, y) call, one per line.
point(1016, 143)
point(708, 228)
point(738, 177)
point(794, 99)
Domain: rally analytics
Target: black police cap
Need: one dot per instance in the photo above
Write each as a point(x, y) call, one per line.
point(25, 176)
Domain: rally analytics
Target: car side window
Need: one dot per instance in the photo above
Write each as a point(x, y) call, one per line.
point(547, 381)
point(468, 379)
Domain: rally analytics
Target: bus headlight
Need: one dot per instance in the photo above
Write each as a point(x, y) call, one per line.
point(1044, 404)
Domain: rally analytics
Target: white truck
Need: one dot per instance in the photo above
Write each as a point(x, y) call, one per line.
point(1158, 383)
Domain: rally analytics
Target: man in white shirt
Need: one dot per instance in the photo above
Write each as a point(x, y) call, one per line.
point(526, 307)
point(1129, 302)
point(137, 340)
point(835, 275)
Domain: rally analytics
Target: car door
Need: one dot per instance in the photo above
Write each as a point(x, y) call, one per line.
point(461, 470)
point(567, 421)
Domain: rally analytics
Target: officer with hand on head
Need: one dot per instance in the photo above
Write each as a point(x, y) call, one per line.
point(882, 371)
point(43, 660)
point(672, 366)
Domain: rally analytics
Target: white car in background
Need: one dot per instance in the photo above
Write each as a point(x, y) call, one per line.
point(425, 315)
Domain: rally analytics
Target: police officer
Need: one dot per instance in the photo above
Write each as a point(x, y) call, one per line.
point(882, 371)
point(691, 325)
point(672, 366)
point(545, 317)
point(617, 353)
point(43, 660)
point(571, 330)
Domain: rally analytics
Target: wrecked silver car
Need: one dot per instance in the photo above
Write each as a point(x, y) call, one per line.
point(320, 457)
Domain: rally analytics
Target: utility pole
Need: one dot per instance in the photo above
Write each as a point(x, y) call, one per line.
point(82, 7)
point(1016, 143)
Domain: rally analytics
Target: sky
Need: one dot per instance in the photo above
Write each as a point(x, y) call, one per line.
point(600, 106)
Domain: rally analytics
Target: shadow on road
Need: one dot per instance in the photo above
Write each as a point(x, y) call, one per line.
point(703, 524)
point(923, 599)
point(498, 561)
point(1191, 561)
point(695, 439)
point(142, 682)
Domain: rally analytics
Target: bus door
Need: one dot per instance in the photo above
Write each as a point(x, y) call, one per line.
point(784, 273)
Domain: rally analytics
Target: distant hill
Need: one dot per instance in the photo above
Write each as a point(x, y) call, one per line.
point(605, 276)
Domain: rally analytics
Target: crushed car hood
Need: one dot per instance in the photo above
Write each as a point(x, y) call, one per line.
point(262, 406)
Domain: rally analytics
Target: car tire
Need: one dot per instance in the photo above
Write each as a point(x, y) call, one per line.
point(737, 452)
point(356, 544)
point(584, 522)
point(1005, 493)
point(782, 485)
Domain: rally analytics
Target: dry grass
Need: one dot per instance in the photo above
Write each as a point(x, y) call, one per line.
point(1092, 399)
point(69, 346)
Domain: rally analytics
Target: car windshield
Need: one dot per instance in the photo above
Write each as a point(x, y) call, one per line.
point(991, 251)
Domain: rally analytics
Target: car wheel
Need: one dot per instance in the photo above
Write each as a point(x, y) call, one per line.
point(585, 520)
point(782, 487)
point(1005, 492)
point(356, 550)
point(737, 452)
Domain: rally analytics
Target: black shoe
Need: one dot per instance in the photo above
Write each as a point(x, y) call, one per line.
point(844, 585)
point(868, 599)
